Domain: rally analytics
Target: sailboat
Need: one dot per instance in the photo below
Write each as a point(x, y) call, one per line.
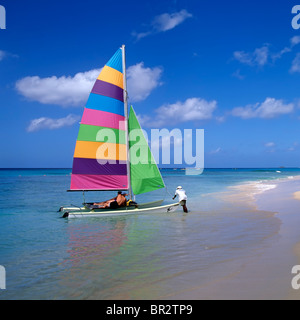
point(106, 153)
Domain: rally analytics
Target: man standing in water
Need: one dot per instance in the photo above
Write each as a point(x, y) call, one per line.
point(182, 198)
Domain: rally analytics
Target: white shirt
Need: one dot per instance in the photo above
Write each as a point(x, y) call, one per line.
point(181, 194)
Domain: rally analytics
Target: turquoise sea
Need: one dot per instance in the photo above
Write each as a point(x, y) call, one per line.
point(132, 257)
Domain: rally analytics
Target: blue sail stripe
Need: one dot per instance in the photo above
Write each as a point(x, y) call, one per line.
point(103, 103)
point(116, 61)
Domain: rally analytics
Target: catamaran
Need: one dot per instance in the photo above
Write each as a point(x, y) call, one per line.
point(105, 156)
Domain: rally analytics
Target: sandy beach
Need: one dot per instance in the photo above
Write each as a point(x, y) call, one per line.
point(269, 276)
point(297, 195)
point(266, 274)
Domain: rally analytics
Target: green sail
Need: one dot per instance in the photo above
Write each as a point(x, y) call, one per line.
point(144, 173)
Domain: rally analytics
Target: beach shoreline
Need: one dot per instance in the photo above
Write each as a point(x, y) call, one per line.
point(240, 240)
point(271, 272)
point(297, 195)
point(265, 273)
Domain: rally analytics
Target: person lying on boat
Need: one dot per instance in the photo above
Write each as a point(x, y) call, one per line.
point(121, 199)
point(116, 202)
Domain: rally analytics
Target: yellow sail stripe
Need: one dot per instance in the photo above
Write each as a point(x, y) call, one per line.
point(112, 76)
point(100, 150)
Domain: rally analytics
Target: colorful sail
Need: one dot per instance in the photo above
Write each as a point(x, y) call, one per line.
point(144, 173)
point(100, 154)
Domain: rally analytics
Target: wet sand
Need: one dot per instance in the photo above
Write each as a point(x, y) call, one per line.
point(267, 274)
point(297, 195)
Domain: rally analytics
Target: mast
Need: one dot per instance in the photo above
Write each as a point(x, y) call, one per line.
point(126, 120)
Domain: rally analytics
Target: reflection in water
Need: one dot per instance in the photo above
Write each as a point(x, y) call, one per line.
point(157, 256)
point(141, 257)
point(91, 242)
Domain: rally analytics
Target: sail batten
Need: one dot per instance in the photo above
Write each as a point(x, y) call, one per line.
point(100, 156)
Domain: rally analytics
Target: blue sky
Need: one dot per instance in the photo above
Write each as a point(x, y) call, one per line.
point(231, 68)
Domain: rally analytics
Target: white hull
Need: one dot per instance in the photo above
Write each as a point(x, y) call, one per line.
point(119, 212)
point(84, 209)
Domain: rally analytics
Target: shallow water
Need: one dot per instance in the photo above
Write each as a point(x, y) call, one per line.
point(133, 257)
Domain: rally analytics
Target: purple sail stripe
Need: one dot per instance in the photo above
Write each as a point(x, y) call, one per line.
point(92, 166)
point(107, 89)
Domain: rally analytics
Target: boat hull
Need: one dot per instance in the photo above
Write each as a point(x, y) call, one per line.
point(85, 209)
point(120, 212)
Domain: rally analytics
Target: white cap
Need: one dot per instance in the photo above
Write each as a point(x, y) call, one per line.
point(179, 187)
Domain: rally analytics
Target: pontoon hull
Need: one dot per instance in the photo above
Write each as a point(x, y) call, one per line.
point(119, 212)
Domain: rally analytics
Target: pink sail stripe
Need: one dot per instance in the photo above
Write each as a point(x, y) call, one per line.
point(103, 119)
point(95, 182)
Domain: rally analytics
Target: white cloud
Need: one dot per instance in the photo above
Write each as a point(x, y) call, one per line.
point(259, 57)
point(164, 22)
point(221, 119)
point(73, 91)
point(141, 81)
point(237, 74)
point(49, 123)
point(295, 64)
point(168, 21)
point(64, 91)
point(218, 150)
point(295, 40)
point(270, 144)
point(6, 54)
point(143, 119)
point(192, 109)
point(270, 108)
point(2, 54)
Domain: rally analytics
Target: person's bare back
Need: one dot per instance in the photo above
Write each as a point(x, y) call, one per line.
point(121, 200)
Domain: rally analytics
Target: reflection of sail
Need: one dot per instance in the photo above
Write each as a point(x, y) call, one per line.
point(93, 243)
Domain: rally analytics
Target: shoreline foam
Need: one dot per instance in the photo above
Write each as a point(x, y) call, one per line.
point(267, 275)
point(285, 252)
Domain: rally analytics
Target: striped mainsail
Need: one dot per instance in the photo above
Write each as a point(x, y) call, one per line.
point(100, 155)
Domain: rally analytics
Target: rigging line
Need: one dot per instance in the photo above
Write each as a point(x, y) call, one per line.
point(74, 205)
point(169, 192)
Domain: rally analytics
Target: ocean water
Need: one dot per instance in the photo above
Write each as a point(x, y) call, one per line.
point(154, 256)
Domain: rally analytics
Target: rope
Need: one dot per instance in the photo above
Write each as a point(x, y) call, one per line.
point(169, 192)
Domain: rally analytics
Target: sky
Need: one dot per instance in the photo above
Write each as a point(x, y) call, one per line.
point(230, 67)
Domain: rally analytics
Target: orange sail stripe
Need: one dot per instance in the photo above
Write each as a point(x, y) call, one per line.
point(100, 150)
point(112, 76)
